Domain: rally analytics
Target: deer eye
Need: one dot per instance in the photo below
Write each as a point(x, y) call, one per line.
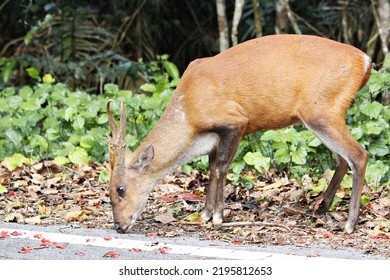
point(121, 191)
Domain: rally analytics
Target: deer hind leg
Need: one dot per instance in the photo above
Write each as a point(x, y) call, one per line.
point(340, 141)
point(220, 160)
point(334, 184)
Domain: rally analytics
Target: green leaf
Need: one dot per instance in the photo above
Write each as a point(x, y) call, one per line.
point(48, 79)
point(336, 200)
point(79, 122)
point(357, 132)
point(69, 112)
point(371, 109)
point(3, 189)
point(61, 160)
point(87, 141)
point(110, 88)
point(104, 176)
point(273, 135)
point(291, 135)
point(14, 102)
point(148, 87)
point(376, 171)
point(259, 161)
point(365, 200)
point(52, 134)
point(299, 155)
point(14, 136)
point(30, 105)
point(33, 73)
point(282, 156)
point(386, 62)
point(79, 156)
point(238, 166)
point(39, 141)
point(102, 119)
point(7, 70)
point(378, 148)
point(171, 69)
point(315, 189)
point(313, 140)
point(346, 183)
point(375, 127)
point(25, 92)
point(17, 160)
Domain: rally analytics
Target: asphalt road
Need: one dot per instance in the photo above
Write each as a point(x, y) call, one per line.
point(77, 253)
point(67, 243)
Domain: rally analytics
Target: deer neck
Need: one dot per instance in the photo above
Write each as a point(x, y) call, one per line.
point(174, 141)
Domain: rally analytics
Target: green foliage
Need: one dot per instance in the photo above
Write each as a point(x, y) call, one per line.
point(299, 152)
point(51, 121)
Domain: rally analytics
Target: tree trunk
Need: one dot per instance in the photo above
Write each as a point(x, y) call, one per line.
point(236, 20)
point(382, 18)
point(281, 25)
point(257, 18)
point(222, 25)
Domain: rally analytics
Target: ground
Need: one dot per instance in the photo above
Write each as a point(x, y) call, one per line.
point(277, 211)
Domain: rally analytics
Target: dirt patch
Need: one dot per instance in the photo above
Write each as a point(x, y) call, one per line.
point(275, 212)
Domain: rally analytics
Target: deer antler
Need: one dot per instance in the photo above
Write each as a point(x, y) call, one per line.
point(117, 141)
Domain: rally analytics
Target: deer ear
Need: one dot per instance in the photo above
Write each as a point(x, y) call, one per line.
point(145, 157)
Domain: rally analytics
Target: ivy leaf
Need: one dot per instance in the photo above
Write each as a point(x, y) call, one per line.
point(357, 132)
point(282, 156)
point(378, 148)
point(14, 136)
point(299, 155)
point(148, 87)
point(371, 109)
point(375, 171)
point(273, 135)
point(39, 141)
point(14, 102)
point(291, 135)
point(30, 104)
point(52, 134)
point(259, 161)
point(69, 112)
point(87, 141)
point(17, 160)
point(61, 160)
point(375, 127)
point(79, 156)
point(110, 88)
point(79, 122)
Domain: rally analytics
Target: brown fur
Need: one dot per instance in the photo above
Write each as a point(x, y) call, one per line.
point(265, 83)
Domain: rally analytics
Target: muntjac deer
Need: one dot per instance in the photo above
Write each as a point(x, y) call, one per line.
point(265, 83)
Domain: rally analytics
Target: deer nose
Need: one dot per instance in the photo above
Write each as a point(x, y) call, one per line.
point(118, 228)
point(121, 229)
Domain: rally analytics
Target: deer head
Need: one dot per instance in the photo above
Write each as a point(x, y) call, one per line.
point(130, 184)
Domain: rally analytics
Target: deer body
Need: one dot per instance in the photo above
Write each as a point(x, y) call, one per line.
point(266, 83)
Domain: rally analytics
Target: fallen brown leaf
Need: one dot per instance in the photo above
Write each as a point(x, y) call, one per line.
point(165, 218)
